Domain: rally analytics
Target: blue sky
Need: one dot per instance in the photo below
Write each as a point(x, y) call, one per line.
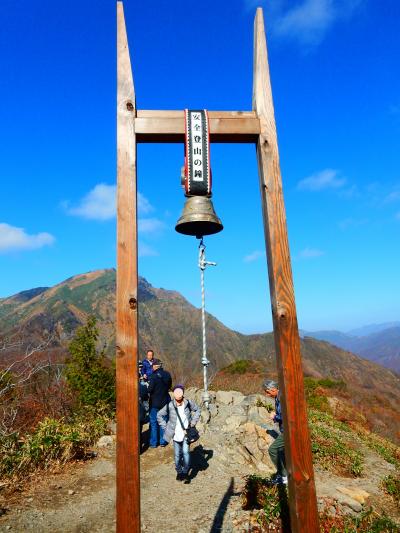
point(336, 87)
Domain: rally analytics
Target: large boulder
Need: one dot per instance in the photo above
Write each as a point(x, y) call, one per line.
point(233, 422)
point(105, 441)
point(229, 397)
point(256, 441)
point(192, 393)
point(256, 399)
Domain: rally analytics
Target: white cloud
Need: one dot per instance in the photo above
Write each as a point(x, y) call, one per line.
point(144, 206)
point(12, 239)
point(146, 251)
point(150, 225)
point(253, 256)
point(304, 21)
point(325, 179)
point(309, 253)
point(100, 204)
point(393, 196)
point(307, 22)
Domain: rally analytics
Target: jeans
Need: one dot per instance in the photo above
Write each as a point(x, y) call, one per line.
point(277, 453)
point(156, 432)
point(182, 457)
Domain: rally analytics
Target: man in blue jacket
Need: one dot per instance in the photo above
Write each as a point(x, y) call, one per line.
point(277, 449)
point(147, 365)
point(160, 383)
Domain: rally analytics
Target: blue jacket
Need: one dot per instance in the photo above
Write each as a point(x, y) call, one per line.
point(278, 416)
point(147, 368)
point(143, 397)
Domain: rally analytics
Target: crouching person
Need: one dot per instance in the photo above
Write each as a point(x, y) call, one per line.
point(181, 414)
point(277, 448)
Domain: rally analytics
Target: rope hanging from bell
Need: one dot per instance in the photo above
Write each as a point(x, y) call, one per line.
point(198, 217)
point(204, 361)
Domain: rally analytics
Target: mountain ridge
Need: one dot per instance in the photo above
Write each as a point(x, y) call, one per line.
point(381, 345)
point(171, 326)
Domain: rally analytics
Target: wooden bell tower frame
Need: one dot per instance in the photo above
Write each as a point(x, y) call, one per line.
point(257, 127)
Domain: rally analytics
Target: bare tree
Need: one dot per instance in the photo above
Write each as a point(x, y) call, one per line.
point(16, 375)
point(22, 370)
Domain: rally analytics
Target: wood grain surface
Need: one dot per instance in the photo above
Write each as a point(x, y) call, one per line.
point(128, 480)
point(302, 495)
point(169, 126)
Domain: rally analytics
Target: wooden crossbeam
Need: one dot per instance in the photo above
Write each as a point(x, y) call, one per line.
point(169, 126)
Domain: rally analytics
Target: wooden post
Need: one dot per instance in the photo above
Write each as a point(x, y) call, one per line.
point(302, 495)
point(128, 479)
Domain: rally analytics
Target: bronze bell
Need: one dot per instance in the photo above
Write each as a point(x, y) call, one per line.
point(198, 217)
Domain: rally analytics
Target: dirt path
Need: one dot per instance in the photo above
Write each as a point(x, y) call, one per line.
point(83, 498)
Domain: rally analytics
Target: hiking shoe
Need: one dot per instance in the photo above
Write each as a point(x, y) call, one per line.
point(180, 477)
point(279, 480)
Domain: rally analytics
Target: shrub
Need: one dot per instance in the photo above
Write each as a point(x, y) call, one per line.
point(391, 485)
point(259, 493)
point(88, 375)
point(53, 441)
point(238, 367)
point(368, 522)
point(273, 515)
point(313, 389)
point(268, 406)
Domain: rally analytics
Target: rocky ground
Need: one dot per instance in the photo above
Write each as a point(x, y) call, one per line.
point(81, 497)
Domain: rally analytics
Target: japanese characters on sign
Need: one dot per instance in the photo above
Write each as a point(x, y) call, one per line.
point(197, 150)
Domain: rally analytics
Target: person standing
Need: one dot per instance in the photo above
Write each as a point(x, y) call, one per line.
point(160, 382)
point(277, 449)
point(147, 365)
point(181, 414)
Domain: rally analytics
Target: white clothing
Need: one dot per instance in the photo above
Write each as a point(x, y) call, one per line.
point(179, 433)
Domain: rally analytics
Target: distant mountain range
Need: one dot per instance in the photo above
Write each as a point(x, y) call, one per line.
point(372, 328)
point(170, 325)
point(377, 342)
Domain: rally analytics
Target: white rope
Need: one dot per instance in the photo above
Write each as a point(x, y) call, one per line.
point(204, 361)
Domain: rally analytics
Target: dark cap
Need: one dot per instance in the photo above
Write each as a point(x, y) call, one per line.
point(157, 362)
point(179, 386)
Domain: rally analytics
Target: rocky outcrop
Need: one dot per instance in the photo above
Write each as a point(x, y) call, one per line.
point(241, 427)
